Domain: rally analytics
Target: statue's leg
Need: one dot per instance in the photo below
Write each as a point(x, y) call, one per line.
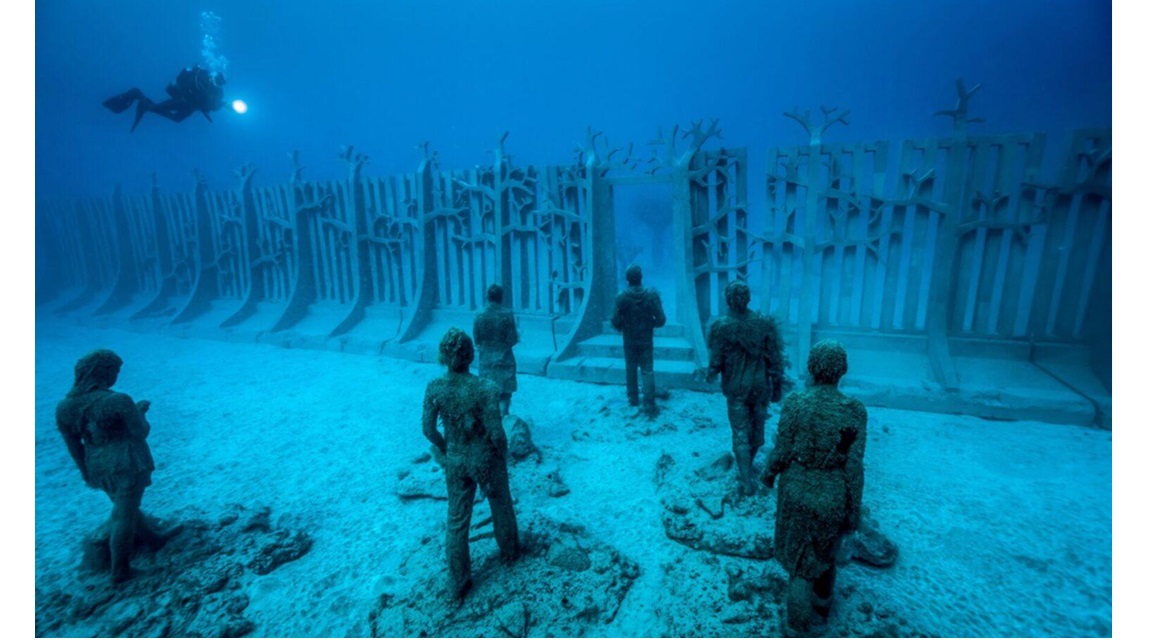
point(758, 420)
point(498, 490)
point(646, 362)
point(740, 417)
point(460, 500)
point(799, 611)
point(824, 588)
point(125, 513)
point(631, 365)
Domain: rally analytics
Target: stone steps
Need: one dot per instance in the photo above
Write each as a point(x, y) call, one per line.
point(666, 331)
point(611, 346)
point(600, 360)
point(669, 374)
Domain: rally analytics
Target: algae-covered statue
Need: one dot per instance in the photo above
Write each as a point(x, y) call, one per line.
point(638, 312)
point(495, 334)
point(747, 351)
point(818, 458)
point(473, 448)
point(106, 434)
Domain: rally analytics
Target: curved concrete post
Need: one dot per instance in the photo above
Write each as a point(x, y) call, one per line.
point(167, 287)
point(251, 224)
point(206, 287)
point(687, 295)
point(304, 287)
point(364, 296)
point(89, 271)
point(428, 286)
point(600, 285)
point(126, 282)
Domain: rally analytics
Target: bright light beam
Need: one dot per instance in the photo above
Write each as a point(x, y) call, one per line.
point(240, 106)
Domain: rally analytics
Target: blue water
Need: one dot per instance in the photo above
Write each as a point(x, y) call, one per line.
point(386, 76)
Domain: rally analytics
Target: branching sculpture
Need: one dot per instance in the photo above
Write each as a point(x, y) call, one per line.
point(815, 131)
point(665, 154)
point(960, 114)
point(604, 157)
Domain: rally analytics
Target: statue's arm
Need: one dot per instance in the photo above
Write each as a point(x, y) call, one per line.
point(854, 471)
point(660, 316)
point(75, 448)
point(775, 363)
point(512, 331)
point(783, 452)
point(617, 318)
point(69, 426)
point(493, 422)
point(137, 418)
point(132, 415)
point(430, 418)
point(715, 349)
point(475, 331)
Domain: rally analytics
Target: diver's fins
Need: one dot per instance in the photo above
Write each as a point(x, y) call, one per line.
point(120, 103)
point(142, 107)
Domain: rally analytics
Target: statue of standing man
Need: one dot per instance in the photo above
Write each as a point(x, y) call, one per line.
point(747, 351)
point(638, 312)
point(106, 434)
point(818, 458)
point(495, 334)
point(473, 448)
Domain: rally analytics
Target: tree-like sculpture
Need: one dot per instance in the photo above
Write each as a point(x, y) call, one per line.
point(960, 114)
point(809, 238)
point(815, 130)
point(505, 217)
point(946, 248)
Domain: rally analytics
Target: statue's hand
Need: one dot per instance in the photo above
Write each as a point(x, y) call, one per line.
point(500, 441)
point(769, 480)
point(143, 406)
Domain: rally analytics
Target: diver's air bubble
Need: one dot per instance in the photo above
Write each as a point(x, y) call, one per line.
point(210, 31)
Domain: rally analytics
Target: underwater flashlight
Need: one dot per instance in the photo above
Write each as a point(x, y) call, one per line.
point(240, 106)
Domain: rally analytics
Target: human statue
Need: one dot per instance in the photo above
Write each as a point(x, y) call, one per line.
point(747, 351)
point(195, 89)
point(106, 434)
point(638, 312)
point(473, 449)
point(495, 335)
point(818, 459)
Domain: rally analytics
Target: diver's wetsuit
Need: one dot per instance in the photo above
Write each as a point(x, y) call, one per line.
point(195, 89)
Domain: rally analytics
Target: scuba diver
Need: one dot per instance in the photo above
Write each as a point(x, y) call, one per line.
point(195, 89)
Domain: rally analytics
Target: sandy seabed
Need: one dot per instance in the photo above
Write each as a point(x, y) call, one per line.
point(1004, 528)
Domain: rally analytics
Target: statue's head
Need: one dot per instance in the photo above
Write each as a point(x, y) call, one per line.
point(456, 350)
point(827, 362)
point(738, 295)
point(495, 294)
point(97, 370)
point(634, 275)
